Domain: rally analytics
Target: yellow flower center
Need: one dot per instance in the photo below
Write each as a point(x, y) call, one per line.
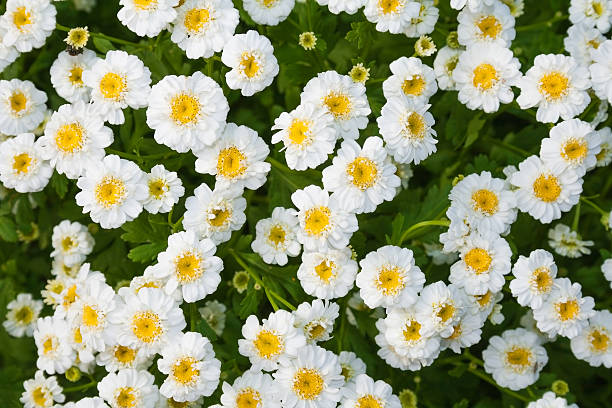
point(145, 4)
point(75, 76)
point(70, 296)
point(49, 344)
point(90, 316)
point(314, 330)
point(267, 3)
point(248, 398)
point(599, 340)
point(268, 344)
point(574, 150)
point(485, 201)
point(299, 130)
point(24, 315)
point(547, 188)
point(338, 105)
point(231, 162)
point(188, 267)
point(451, 64)
point(456, 332)
point(126, 397)
point(195, 19)
point(249, 64)
point(390, 280)
point(184, 371)
point(22, 162)
point(598, 8)
point(18, 102)
point(325, 270)
point(446, 311)
point(389, 6)
point(110, 191)
point(219, 217)
point(171, 402)
point(308, 383)
point(157, 188)
point(567, 310)
point(67, 244)
point(413, 86)
point(21, 18)
point(317, 220)
point(368, 401)
point(478, 260)
point(412, 331)
point(147, 327)
point(124, 355)
point(485, 77)
point(69, 138)
point(185, 109)
point(40, 397)
point(112, 86)
point(541, 279)
point(554, 85)
point(489, 26)
point(362, 172)
point(483, 300)
point(77, 336)
point(415, 125)
point(519, 358)
point(277, 235)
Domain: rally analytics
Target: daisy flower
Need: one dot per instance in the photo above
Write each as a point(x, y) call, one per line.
point(411, 79)
point(392, 357)
point(147, 17)
point(165, 190)
point(316, 319)
point(116, 357)
point(606, 269)
point(251, 59)
point(129, 388)
point(152, 277)
point(591, 13)
point(66, 300)
point(361, 178)
point(515, 359)
point(439, 308)
point(364, 392)
point(389, 277)
point(466, 333)
point(311, 379)
point(203, 27)
point(402, 330)
point(268, 12)
point(252, 389)
point(187, 112)
point(308, 135)
point(236, 158)
point(473, 5)
point(534, 277)
point(392, 16)
point(41, 392)
point(22, 166)
point(8, 53)
point(71, 242)
point(565, 312)
point(487, 25)
point(148, 320)
point(604, 157)
point(581, 42)
point(594, 343)
point(191, 366)
point(22, 107)
point(602, 58)
point(557, 85)
point(215, 213)
point(550, 400)
point(352, 366)
point(28, 23)
point(21, 315)
point(343, 98)
point(264, 344)
point(444, 65)
point(544, 191)
point(67, 75)
point(323, 222)
point(484, 75)
point(407, 129)
point(568, 243)
point(112, 191)
point(339, 6)
point(95, 402)
point(327, 274)
point(118, 81)
point(275, 237)
point(425, 22)
point(54, 352)
point(75, 137)
point(214, 314)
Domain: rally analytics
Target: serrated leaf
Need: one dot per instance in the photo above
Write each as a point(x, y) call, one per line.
point(59, 182)
point(147, 252)
point(250, 303)
point(103, 45)
point(473, 129)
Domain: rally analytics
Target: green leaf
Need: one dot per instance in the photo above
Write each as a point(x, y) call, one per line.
point(205, 330)
point(147, 252)
point(8, 230)
point(103, 45)
point(250, 304)
point(474, 126)
point(59, 182)
point(361, 34)
point(464, 403)
point(458, 370)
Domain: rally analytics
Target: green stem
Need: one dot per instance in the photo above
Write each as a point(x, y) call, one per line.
point(136, 157)
point(282, 300)
point(419, 225)
point(508, 146)
point(593, 205)
point(176, 225)
point(472, 358)
point(488, 379)
point(106, 37)
point(576, 217)
point(192, 316)
point(343, 309)
point(80, 387)
point(283, 171)
point(271, 299)
point(548, 22)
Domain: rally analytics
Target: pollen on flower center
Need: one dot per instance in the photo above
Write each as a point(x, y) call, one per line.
point(188, 267)
point(547, 188)
point(598, 8)
point(368, 401)
point(451, 64)
point(445, 311)
point(308, 383)
point(125, 397)
point(77, 336)
point(553, 85)
point(184, 109)
point(485, 201)
point(519, 358)
point(70, 296)
point(574, 150)
point(69, 138)
point(389, 6)
point(248, 398)
point(362, 172)
point(146, 326)
point(218, 217)
point(49, 345)
point(277, 235)
point(314, 330)
point(249, 64)
point(173, 403)
point(195, 19)
point(599, 340)
point(22, 162)
point(489, 27)
point(75, 76)
point(112, 86)
point(478, 260)
point(567, 310)
point(412, 331)
point(157, 188)
point(541, 279)
point(483, 300)
point(456, 332)
point(184, 370)
point(415, 126)
point(298, 132)
point(413, 86)
point(338, 105)
point(90, 316)
point(18, 102)
point(110, 191)
point(316, 220)
point(145, 4)
point(390, 280)
point(231, 162)
point(325, 270)
point(40, 397)
point(267, 3)
point(21, 18)
point(124, 355)
point(485, 77)
point(268, 344)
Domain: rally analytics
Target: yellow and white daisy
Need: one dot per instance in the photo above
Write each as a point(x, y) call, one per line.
point(268, 12)
point(604, 157)
point(22, 166)
point(8, 53)
point(402, 330)
point(439, 308)
point(252, 389)
point(147, 17)
point(602, 58)
point(392, 16)
point(66, 299)
point(327, 274)
point(352, 366)
point(129, 388)
point(581, 42)
point(67, 75)
point(466, 333)
point(591, 13)
point(594, 343)
point(534, 278)
point(316, 319)
point(41, 392)
point(28, 23)
point(54, 352)
point(339, 6)
point(425, 22)
point(71, 242)
point(275, 237)
point(444, 65)
point(214, 314)
point(22, 107)
point(487, 25)
point(165, 190)
point(151, 278)
point(550, 400)
point(93, 402)
point(116, 357)
point(21, 315)
point(567, 242)
point(411, 79)
point(364, 392)
point(473, 5)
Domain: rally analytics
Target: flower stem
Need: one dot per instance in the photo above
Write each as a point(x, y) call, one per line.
point(104, 36)
point(548, 23)
point(488, 379)
point(576, 217)
point(423, 224)
point(593, 205)
point(80, 387)
point(508, 146)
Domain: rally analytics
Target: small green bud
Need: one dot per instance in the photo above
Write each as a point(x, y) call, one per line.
point(408, 398)
point(452, 40)
point(560, 387)
point(73, 374)
point(240, 281)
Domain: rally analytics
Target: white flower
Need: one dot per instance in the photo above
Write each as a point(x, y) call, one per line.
point(41, 392)
point(484, 75)
point(600, 69)
point(466, 333)
point(22, 166)
point(407, 128)
point(338, 6)
point(389, 277)
point(484, 260)
point(425, 22)
point(316, 319)
point(393, 16)
point(214, 314)
point(482, 305)
point(148, 320)
point(439, 308)
point(71, 242)
point(591, 13)
point(472, 4)
point(308, 135)
point(487, 25)
point(444, 65)
point(236, 158)
point(550, 400)
point(215, 213)
point(458, 230)
point(275, 237)
point(534, 278)
point(565, 311)
point(147, 17)
point(67, 75)
point(95, 402)
point(268, 12)
point(54, 352)
point(567, 242)
point(557, 85)
point(116, 357)
point(22, 107)
point(604, 157)
point(327, 274)
point(112, 191)
point(323, 222)
point(581, 42)
point(151, 278)
point(594, 343)
point(191, 366)
point(310, 380)
point(252, 389)
point(402, 329)
point(118, 81)
point(28, 23)
point(21, 315)
point(165, 190)
point(544, 191)
point(411, 79)
point(352, 366)
point(8, 53)
point(251, 59)
point(364, 392)
point(264, 344)
point(606, 269)
point(528, 322)
point(515, 359)
point(187, 112)
point(66, 300)
point(343, 98)
point(75, 137)
point(438, 256)
point(129, 387)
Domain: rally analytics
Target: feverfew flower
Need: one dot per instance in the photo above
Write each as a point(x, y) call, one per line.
point(116, 357)
point(214, 314)
point(275, 237)
point(557, 85)
point(473, 5)
point(425, 46)
point(22, 107)
point(338, 6)
point(41, 392)
point(604, 157)
point(71, 242)
point(389, 353)
point(581, 42)
point(165, 190)
point(393, 16)
point(147, 17)
point(129, 386)
point(487, 25)
point(444, 65)
point(602, 58)
point(112, 191)
point(8, 53)
point(568, 243)
point(252, 389)
point(594, 343)
point(425, 22)
point(439, 308)
point(251, 59)
point(550, 400)
point(268, 12)
point(67, 75)
point(327, 274)
point(410, 79)
point(467, 331)
point(352, 366)
point(316, 319)
point(22, 166)
point(21, 315)
point(28, 23)
point(606, 269)
point(55, 355)
point(534, 277)
point(591, 13)
point(365, 392)
point(402, 330)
